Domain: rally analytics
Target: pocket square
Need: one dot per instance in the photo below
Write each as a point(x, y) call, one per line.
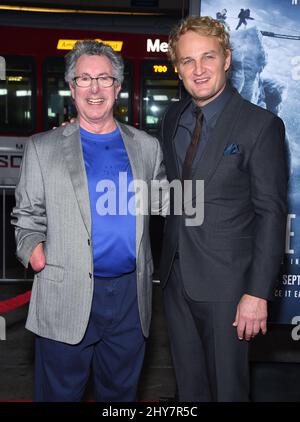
point(231, 149)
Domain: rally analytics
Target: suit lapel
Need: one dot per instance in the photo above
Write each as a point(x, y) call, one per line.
point(75, 164)
point(170, 133)
point(136, 159)
point(218, 139)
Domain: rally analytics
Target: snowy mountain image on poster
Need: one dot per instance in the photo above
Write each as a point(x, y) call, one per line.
point(265, 39)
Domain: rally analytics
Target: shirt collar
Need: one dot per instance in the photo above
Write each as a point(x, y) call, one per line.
point(213, 109)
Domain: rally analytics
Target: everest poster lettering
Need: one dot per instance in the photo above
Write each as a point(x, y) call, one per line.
point(265, 37)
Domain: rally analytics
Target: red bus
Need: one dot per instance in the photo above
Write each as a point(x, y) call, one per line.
point(34, 96)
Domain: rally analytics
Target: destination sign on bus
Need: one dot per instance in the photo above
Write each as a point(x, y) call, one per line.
point(163, 68)
point(64, 44)
point(158, 68)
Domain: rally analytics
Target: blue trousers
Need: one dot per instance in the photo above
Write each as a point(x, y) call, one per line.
point(113, 349)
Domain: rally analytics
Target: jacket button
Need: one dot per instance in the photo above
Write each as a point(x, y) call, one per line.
point(89, 242)
point(90, 275)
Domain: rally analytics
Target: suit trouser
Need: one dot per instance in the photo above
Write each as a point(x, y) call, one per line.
point(210, 363)
point(112, 349)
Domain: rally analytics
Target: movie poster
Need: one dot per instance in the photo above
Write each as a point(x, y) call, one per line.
point(265, 36)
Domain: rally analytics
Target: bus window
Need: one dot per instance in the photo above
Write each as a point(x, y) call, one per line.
point(160, 88)
point(58, 105)
point(17, 104)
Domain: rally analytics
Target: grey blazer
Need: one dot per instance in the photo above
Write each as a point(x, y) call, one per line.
point(52, 206)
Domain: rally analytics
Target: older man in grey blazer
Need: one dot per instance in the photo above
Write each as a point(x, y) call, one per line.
point(91, 298)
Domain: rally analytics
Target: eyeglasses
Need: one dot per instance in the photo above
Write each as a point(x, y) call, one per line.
point(86, 81)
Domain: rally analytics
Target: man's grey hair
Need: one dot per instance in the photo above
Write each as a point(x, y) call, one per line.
point(93, 48)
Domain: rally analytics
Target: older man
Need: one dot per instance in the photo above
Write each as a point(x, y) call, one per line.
point(75, 224)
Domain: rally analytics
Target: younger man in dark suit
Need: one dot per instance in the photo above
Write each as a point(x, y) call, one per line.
point(218, 276)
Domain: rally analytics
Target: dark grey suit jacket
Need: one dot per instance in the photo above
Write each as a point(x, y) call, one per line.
point(239, 247)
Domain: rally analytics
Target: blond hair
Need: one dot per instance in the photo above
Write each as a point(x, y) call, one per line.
point(202, 25)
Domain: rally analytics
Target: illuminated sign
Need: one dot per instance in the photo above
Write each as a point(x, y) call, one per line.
point(15, 78)
point(163, 68)
point(158, 68)
point(156, 46)
point(69, 44)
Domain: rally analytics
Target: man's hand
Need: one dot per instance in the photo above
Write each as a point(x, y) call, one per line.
point(251, 317)
point(37, 259)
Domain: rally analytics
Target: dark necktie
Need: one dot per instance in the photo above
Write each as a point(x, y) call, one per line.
point(192, 148)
